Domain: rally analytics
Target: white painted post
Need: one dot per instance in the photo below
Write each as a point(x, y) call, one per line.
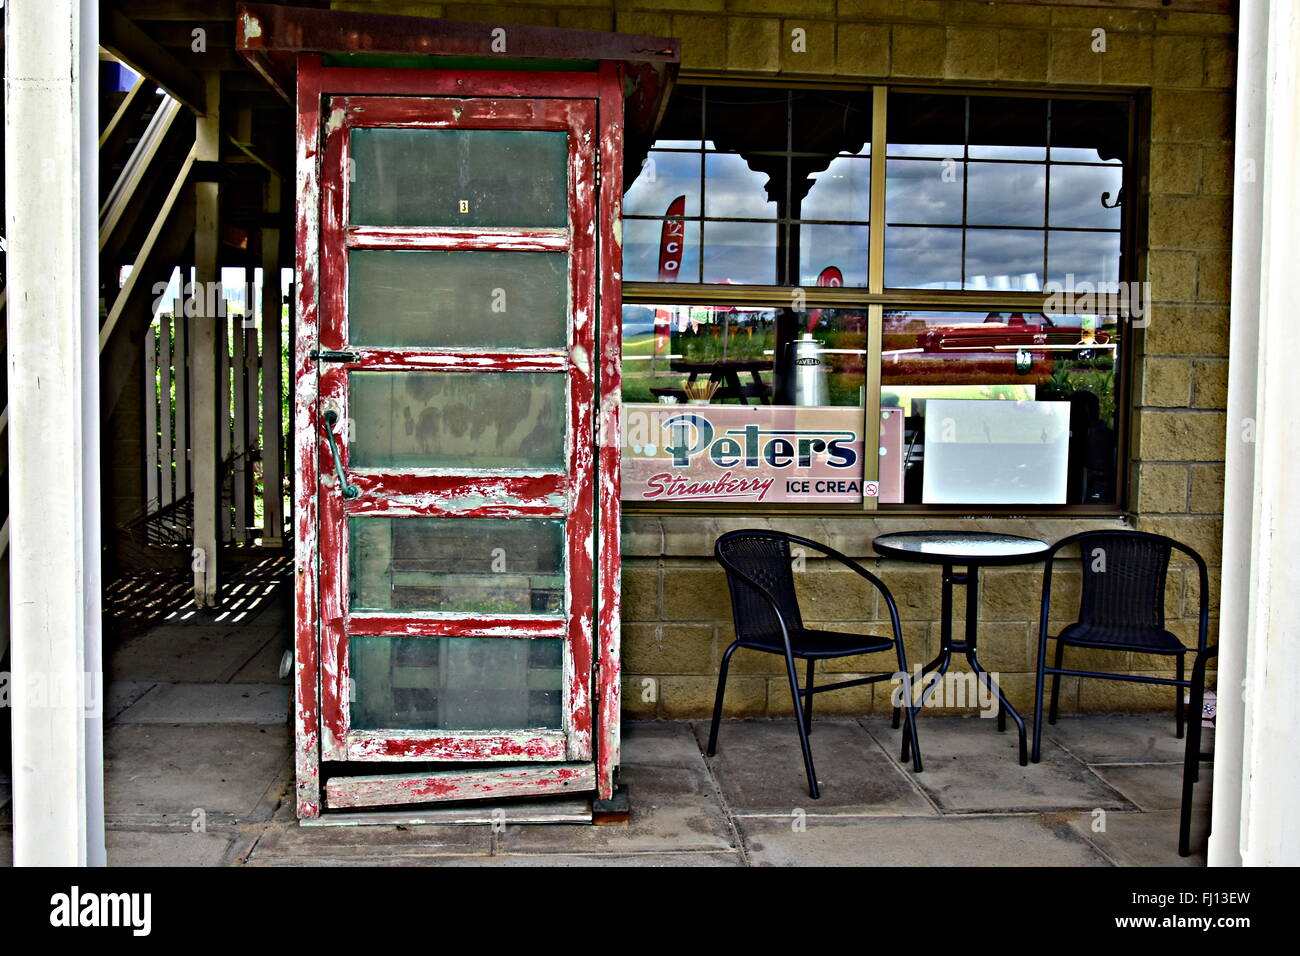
point(1257, 737)
point(206, 415)
point(51, 189)
point(272, 421)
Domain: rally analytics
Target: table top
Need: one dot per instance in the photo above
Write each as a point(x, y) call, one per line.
point(960, 547)
point(722, 365)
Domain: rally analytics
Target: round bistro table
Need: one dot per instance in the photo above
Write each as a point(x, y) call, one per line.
point(970, 550)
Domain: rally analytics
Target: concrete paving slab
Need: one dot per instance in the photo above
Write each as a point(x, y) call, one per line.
point(1156, 786)
point(1148, 738)
point(178, 653)
point(661, 743)
point(1021, 840)
point(1144, 839)
point(672, 809)
point(121, 694)
point(264, 666)
point(211, 704)
point(159, 774)
point(288, 844)
point(759, 768)
point(158, 847)
point(971, 768)
point(687, 859)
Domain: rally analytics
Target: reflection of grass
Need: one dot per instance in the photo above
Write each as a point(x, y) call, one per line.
point(1072, 375)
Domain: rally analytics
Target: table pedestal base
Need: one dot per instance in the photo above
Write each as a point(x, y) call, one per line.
point(947, 647)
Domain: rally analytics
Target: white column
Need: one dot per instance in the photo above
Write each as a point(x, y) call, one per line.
point(1257, 760)
point(51, 186)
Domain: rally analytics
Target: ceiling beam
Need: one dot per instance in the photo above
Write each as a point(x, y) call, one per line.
point(132, 46)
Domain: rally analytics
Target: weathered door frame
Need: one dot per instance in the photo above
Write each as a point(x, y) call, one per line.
point(315, 84)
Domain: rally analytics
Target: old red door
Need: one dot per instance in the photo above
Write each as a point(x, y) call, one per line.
point(457, 345)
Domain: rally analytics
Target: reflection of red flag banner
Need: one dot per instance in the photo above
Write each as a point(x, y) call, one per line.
point(671, 241)
point(830, 277)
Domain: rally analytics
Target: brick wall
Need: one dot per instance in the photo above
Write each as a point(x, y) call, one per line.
point(676, 611)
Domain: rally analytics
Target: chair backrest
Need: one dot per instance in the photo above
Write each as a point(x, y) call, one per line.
point(763, 557)
point(1124, 576)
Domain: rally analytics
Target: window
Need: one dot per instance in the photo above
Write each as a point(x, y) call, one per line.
point(942, 325)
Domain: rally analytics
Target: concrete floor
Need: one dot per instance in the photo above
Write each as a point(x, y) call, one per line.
point(199, 771)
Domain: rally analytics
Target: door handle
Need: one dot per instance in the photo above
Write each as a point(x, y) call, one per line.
point(332, 356)
point(349, 490)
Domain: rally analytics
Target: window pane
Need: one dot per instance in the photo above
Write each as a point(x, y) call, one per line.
point(1008, 127)
point(1085, 196)
point(841, 192)
point(831, 121)
point(1004, 259)
point(461, 420)
point(1087, 256)
point(917, 258)
point(924, 191)
point(734, 190)
point(740, 252)
point(459, 298)
point(475, 565)
point(1089, 131)
point(1067, 360)
point(926, 124)
point(420, 177)
point(662, 179)
point(657, 250)
point(835, 253)
point(1005, 194)
point(456, 683)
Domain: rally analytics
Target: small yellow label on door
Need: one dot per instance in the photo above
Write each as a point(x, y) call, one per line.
point(464, 205)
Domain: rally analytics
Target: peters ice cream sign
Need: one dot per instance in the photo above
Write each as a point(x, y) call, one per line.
point(751, 453)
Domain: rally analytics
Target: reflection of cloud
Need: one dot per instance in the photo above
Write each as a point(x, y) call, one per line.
point(1075, 196)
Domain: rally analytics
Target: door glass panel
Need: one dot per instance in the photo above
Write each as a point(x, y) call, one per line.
point(462, 420)
point(459, 177)
point(457, 299)
point(474, 565)
point(456, 683)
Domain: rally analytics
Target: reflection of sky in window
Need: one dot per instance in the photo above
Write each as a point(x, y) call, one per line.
point(1075, 196)
point(1010, 259)
point(1005, 194)
point(1089, 256)
point(919, 258)
point(661, 179)
point(740, 252)
point(916, 191)
point(844, 247)
point(641, 239)
point(842, 192)
point(734, 191)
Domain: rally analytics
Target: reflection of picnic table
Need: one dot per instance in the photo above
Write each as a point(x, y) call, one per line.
point(727, 373)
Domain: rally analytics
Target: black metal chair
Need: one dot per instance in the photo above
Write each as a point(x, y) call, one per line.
point(1121, 608)
point(1193, 755)
point(765, 609)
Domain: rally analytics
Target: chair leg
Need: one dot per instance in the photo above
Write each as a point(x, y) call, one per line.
point(1178, 702)
point(1039, 680)
point(799, 721)
point(1056, 682)
point(717, 701)
point(1192, 755)
point(808, 699)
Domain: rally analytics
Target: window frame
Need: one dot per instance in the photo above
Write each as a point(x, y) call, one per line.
point(875, 299)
